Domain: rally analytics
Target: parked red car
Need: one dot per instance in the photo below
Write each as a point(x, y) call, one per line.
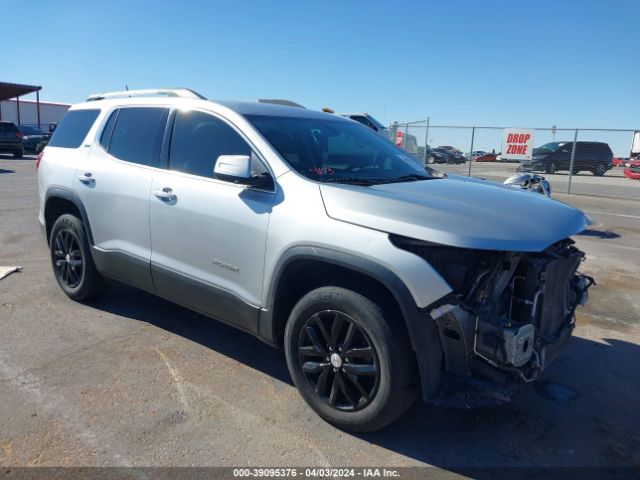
point(632, 169)
point(487, 157)
point(619, 161)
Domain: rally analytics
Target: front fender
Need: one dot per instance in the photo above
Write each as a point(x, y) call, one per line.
point(410, 297)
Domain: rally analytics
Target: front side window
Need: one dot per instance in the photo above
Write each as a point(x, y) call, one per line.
point(105, 136)
point(328, 150)
point(376, 123)
point(364, 121)
point(198, 140)
point(73, 128)
point(137, 134)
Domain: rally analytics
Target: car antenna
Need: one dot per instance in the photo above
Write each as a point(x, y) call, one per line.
point(126, 87)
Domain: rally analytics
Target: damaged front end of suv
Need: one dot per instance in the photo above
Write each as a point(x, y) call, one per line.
point(509, 315)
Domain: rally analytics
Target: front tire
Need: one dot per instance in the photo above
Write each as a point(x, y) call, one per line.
point(350, 359)
point(71, 259)
point(551, 168)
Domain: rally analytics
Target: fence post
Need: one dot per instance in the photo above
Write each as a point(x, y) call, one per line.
point(426, 142)
point(473, 134)
point(573, 157)
point(406, 137)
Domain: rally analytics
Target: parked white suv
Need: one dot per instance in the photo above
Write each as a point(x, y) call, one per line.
point(379, 277)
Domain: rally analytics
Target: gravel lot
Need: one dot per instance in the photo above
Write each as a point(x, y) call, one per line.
point(134, 380)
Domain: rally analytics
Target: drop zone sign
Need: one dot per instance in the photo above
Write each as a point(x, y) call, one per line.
point(517, 144)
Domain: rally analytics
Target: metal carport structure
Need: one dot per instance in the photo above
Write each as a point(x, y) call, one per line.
point(16, 90)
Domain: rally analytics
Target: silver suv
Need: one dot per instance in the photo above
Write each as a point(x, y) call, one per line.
point(381, 279)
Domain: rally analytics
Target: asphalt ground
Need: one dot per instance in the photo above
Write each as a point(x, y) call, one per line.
point(133, 380)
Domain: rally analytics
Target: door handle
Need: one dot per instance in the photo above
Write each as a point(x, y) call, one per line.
point(87, 178)
point(165, 194)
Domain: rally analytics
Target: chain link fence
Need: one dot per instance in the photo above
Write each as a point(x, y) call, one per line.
point(578, 162)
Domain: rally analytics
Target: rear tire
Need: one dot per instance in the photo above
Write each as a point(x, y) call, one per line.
point(600, 170)
point(358, 381)
point(71, 260)
point(551, 168)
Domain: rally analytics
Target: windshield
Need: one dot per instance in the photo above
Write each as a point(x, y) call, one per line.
point(551, 147)
point(328, 150)
point(26, 130)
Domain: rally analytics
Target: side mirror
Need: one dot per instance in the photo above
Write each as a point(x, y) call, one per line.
point(237, 169)
point(233, 167)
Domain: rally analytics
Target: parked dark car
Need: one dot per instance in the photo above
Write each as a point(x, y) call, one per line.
point(620, 161)
point(444, 155)
point(450, 148)
point(595, 157)
point(11, 139)
point(632, 168)
point(34, 139)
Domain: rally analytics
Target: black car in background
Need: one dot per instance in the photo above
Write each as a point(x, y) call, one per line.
point(34, 139)
point(595, 157)
point(11, 139)
point(444, 155)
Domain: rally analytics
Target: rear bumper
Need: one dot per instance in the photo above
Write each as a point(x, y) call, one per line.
point(11, 146)
point(32, 145)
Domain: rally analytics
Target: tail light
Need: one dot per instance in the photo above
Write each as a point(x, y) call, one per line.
point(39, 159)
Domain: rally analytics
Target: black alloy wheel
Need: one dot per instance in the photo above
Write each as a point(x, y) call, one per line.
point(71, 259)
point(68, 259)
point(338, 360)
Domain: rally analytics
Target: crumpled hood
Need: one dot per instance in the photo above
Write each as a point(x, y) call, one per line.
point(457, 211)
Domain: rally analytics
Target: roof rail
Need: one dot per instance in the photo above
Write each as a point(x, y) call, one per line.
point(152, 92)
point(280, 101)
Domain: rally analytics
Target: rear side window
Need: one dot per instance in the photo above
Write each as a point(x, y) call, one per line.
point(8, 127)
point(137, 134)
point(73, 128)
point(199, 139)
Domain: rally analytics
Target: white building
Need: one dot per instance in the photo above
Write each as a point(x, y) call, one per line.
point(50, 112)
point(14, 108)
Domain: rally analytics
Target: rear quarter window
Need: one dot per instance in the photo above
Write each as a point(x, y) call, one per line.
point(73, 128)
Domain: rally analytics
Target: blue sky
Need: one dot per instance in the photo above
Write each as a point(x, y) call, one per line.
point(536, 63)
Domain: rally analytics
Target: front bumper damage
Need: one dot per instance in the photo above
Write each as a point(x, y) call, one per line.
point(509, 316)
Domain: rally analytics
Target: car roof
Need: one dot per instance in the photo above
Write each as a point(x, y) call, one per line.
point(240, 107)
point(580, 141)
point(273, 110)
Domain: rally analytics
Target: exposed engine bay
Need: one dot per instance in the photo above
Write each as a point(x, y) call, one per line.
point(510, 314)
